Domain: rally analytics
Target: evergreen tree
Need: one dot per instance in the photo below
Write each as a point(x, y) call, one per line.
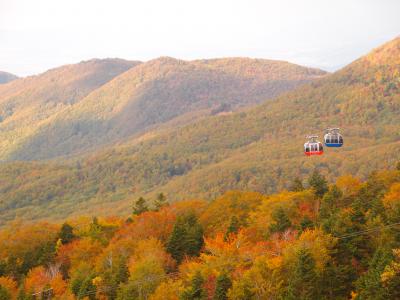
point(306, 223)
point(318, 183)
point(140, 206)
point(3, 268)
point(282, 221)
point(81, 282)
point(96, 230)
point(297, 185)
point(223, 284)
point(303, 281)
point(4, 293)
point(117, 274)
point(196, 290)
point(233, 227)
point(122, 272)
point(329, 202)
point(161, 201)
point(87, 289)
point(176, 242)
point(391, 276)
point(22, 295)
point(369, 285)
point(186, 238)
point(194, 236)
point(66, 233)
point(333, 284)
point(76, 283)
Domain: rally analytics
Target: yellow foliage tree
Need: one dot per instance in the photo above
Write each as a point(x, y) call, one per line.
point(168, 290)
point(348, 184)
point(10, 285)
point(317, 243)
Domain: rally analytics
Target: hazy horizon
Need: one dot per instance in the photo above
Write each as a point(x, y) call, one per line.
point(40, 35)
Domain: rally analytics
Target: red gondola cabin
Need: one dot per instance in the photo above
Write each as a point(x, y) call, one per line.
point(313, 147)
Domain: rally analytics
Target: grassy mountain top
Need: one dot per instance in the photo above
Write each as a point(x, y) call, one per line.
point(6, 77)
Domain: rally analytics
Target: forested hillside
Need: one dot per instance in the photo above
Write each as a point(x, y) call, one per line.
point(6, 77)
point(256, 149)
point(28, 103)
point(316, 241)
point(154, 93)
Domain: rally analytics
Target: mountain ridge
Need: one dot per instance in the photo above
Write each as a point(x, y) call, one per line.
point(6, 77)
point(27, 103)
point(156, 92)
point(256, 148)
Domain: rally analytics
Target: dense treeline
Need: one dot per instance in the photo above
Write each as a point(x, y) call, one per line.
point(316, 241)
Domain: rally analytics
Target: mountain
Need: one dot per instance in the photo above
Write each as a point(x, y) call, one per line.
point(28, 103)
point(258, 148)
point(154, 93)
point(6, 77)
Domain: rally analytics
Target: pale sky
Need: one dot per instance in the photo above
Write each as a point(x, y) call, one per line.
point(36, 35)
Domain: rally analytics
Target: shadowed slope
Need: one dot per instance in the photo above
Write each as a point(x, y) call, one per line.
point(6, 77)
point(27, 103)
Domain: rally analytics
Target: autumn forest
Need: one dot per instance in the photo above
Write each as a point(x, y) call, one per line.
point(174, 179)
point(315, 241)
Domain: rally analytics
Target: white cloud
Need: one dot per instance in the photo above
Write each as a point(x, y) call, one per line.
point(37, 35)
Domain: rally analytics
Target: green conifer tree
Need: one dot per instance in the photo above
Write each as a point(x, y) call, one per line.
point(223, 284)
point(281, 221)
point(160, 202)
point(186, 238)
point(333, 284)
point(306, 223)
point(233, 227)
point(297, 185)
point(4, 293)
point(369, 285)
point(194, 236)
point(196, 290)
point(329, 202)
point(140, 206)
point(87, 289)
point(318, 183)
point(66, 233)
point(117, 273)
point(303, 281)
point(21, 294)
point(176, 242)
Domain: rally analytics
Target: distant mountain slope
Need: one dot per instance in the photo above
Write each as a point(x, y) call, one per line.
point(6, 77)
point(157, 92)
point(27, 103)
point(258, 149)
